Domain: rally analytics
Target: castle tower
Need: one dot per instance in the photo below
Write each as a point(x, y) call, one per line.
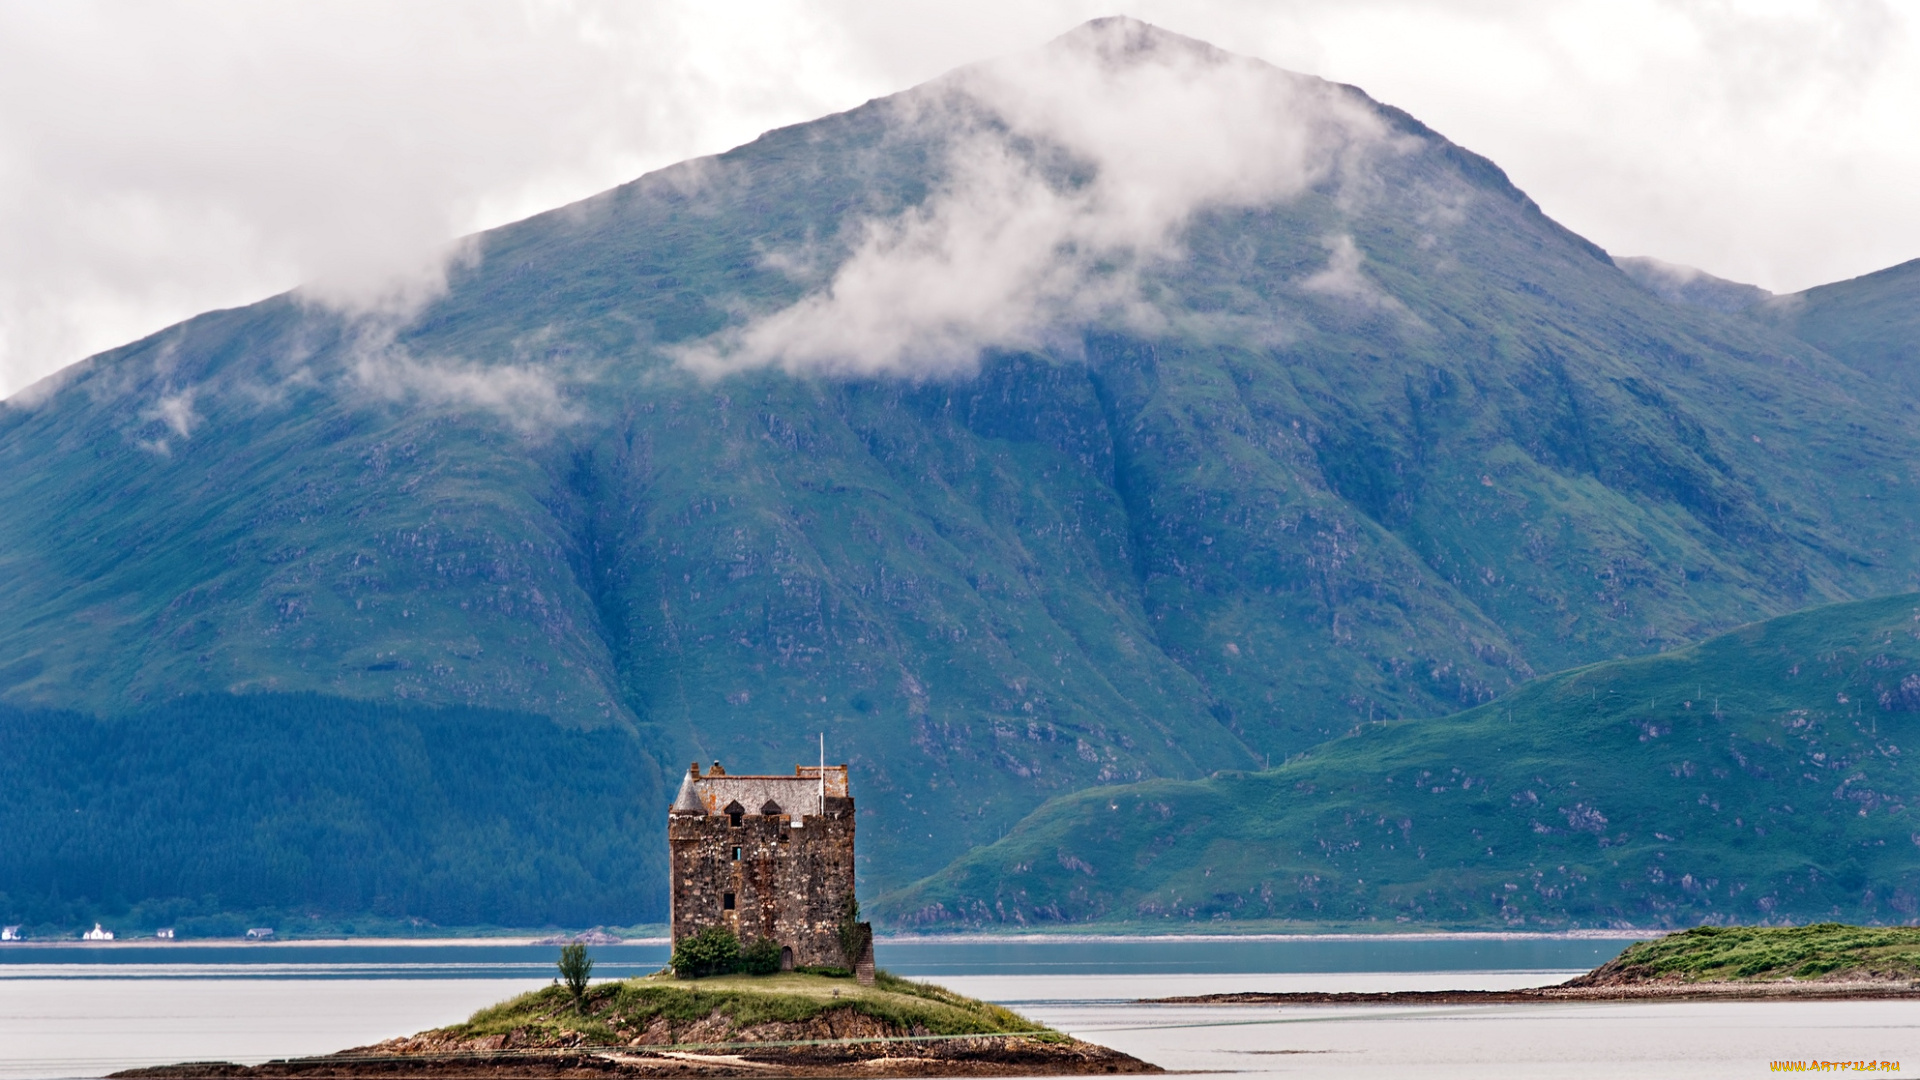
point(765, 857)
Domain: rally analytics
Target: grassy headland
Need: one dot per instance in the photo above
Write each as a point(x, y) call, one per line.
point(1830, 952)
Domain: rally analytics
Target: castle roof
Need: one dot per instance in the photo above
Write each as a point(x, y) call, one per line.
point(797, 795)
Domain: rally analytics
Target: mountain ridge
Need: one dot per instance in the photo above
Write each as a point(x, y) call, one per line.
point(1381, 439)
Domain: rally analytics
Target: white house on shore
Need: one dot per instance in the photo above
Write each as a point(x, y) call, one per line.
point(97, 934)
point(9, 933)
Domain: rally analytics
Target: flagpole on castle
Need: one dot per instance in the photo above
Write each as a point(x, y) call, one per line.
point(823, 774)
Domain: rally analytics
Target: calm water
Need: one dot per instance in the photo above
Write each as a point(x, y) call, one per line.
point(77, 1011)
point(914, 958)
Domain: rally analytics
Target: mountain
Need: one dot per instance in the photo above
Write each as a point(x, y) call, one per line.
point(1760, 776)
point(1122, 410)
point(1678, 284)
point(1871, 322)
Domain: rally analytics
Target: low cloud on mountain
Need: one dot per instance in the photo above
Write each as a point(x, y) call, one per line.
point(1069, 170)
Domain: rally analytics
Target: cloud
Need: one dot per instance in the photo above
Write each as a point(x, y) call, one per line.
point(1069, 170)
point(527, 397)
point(176, 410)
point(159, 158)
point(1342, 278)
point(392, 289)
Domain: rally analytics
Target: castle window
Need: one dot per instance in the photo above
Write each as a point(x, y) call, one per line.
point(736, 813)
point(726, 901)
point(736, 854)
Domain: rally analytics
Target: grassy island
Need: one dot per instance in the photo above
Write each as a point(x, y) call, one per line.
point(727, 1009)
point(792, 1024)
point(1830, 952)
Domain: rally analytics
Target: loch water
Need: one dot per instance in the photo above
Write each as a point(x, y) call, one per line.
point(83, 1011)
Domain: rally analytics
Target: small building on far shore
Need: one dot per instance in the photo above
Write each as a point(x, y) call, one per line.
point(97, 934)
point(164, 935)
point(260, 933)
point(10, 933)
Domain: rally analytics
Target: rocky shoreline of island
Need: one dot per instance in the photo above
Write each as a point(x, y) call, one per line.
point(979, 1055)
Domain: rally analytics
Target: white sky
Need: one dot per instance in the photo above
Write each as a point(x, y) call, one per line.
point(160, 159)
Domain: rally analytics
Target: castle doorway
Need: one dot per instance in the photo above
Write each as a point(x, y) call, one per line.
point(786, 958)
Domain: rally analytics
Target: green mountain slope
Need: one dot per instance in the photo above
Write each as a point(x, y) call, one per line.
point(1690, 287)
point(1872, 322)
point(1759, 776)
point(1383, 445)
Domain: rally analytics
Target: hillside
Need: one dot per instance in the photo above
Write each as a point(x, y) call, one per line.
point(293, 811)
point(1759, 776)
point(1871, 322)
point(1321, 422)
point(1692, 288)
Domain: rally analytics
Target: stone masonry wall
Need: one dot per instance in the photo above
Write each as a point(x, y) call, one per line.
point(788, 884)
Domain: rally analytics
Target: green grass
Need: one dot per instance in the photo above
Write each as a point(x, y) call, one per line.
point(1762, 954)
point(1760, 777)
point(616, 1012)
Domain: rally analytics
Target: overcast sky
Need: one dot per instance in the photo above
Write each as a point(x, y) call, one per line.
point(160, 159)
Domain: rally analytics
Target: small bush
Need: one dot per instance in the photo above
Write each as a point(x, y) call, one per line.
point(713, 951)
point(762, 957)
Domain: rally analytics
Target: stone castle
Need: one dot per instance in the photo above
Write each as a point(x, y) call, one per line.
point(766, 857)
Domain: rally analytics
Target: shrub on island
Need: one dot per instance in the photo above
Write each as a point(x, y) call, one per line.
point(716, 951)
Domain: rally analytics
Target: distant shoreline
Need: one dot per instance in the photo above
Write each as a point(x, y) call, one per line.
point(880, 940)
point(282, 943)
point(1437, 935)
